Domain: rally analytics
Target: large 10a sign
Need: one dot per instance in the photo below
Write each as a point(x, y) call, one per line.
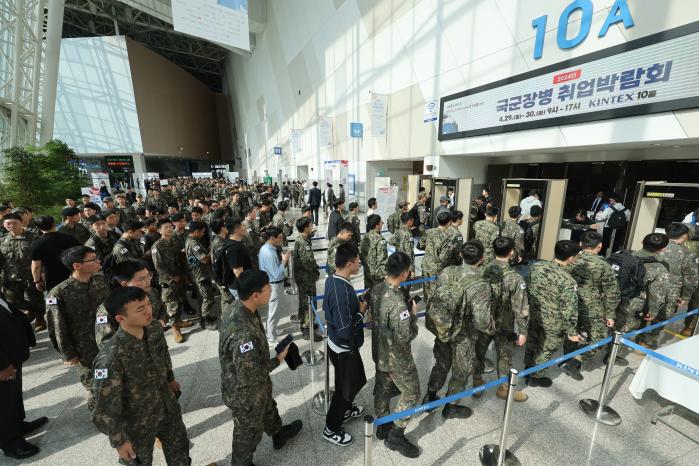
point(619, 13)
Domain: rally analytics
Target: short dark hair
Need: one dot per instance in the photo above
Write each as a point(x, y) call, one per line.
point(302, 223)
point(315, 183)
point(94, 219)
point(673, 230)
point(247, 210)
point(397, 264)
point(565, 249)
point(590, 240)
point(405, 217)
point(74, 255)
point(456, 215)
point(116, 302)
point(11, 216)
point(272, 232)
point(491, 211)
point(514, 211)
point(150, 221)
point(472, 252)
point(535, 211)
point(502, 246)
point(125, 271)
point(345, 253)
point(251, 281)
point(217, 224)
point(654, 242)
point(372, 221)
point(233, 223)
point(131, 224)
point(283, 206)
point(615, 197)
point(196, 225)
point(177, 217)
point(163, 221)
point(371, 202)
point(197, 210)
point(353, 205)
point(45, 222)
point(443, 218)
point(305, 209)
point(346, 226)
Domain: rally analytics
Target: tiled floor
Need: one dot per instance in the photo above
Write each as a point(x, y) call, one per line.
point(548, 429)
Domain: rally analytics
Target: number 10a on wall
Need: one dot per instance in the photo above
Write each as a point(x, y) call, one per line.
point(618, 13)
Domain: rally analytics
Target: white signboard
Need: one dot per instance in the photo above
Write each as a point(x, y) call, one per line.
point(386, 201)
point(98, 178)
point(656, 73)
point(431, 111)
point(202, 175)
point(325, 132)
point(94, 194)
point(379, 107)
point(222, 21)
point(296, 139)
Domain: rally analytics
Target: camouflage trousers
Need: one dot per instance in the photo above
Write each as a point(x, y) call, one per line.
point(442, 362)
point(173, 295)
point(542, 342)
point(84, 371)
point(226, 295)
point(504, 348)
point(428, 288)
point(390, 384)
point(171, 431)
point(648, 338)
point(368, 282)
point(24, 296)
point(463, 363)
point(205, 289)
point(305, 291)
point(596, 330)
point(248, 427)
point(691, 321)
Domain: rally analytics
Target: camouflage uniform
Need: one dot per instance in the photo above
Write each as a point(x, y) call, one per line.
point(510, 314)
point(17, 281)
point(659, 294)
point(202, 274)
point(332, 249)
point(252, 238)
point(170, 262)
point(78, 231)
point(237, 209)
point(403, 242)
point(105, 327)
point(356, 234)
point(511, 229)
point(536, 228)
point(553, 312)
point(373, 253)
point(683, 269)
point(306, 274)
point(456, 239)
point(246, 386)
point(102, 246)
point(125, 213)
point(282, 223)
point(70, 314)
point(216, 244)
point(125, 249)
point(486, 233)
point(133, 401)
point(598, 299)
point(393, 223)
point(438, 252)
point(394, 328)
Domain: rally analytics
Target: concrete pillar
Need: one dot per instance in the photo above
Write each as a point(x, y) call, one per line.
point(17, 70)
point(54, 30)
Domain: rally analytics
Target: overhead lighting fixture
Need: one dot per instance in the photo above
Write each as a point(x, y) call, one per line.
point(656, 144)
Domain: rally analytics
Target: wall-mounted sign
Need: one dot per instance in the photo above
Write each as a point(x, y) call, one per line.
point(119, 162)
point(356, 130)
point(431, 111)
point(277, 150)
point(325, 132)
point(657, 73)
point(379, 109)
point(296, 140)
point(222, 21)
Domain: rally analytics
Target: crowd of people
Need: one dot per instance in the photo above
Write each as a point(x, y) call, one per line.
point(110, 281)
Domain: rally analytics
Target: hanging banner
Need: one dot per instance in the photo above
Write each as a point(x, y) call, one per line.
point(379, 109)
point(386, 200)
point(296, 140)
point(222, 21)
point(325, 132)
point(94, 194)
point(98, 178)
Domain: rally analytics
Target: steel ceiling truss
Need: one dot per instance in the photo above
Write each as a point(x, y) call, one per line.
point(203, 59)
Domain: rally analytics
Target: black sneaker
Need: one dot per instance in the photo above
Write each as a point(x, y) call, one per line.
point(396, 441)
point(355, 411)
point(340, 437)
point(431, 396)
point(544, 382)
point(383, 430)
point(285, 433)
point(571, 371)
point(452, 411)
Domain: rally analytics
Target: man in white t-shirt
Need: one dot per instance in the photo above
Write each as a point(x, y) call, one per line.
point(528, 202)
point(618, 231)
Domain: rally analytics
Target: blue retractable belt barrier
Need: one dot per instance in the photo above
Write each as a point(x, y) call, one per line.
point(565, 357)
point(685, 369)
point(661, 324)
point(317, 317)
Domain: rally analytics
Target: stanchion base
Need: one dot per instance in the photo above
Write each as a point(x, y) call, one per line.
point(489, 456)
point(608, 416)
point(320, 404)
point(307, 361)
point(489, 366)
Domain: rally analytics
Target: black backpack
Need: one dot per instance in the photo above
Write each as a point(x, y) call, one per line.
point(529, 237)
point(223, 274)
point(617, 219)
point(108, 263)
point(630, 272)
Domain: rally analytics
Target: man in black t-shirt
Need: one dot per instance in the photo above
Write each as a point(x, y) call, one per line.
point(47, 268)
point(237, 254)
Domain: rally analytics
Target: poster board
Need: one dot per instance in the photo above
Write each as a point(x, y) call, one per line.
point(386, 201)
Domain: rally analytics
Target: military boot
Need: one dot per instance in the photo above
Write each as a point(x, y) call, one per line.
point(39, 324)
point(477, 382)
point(429, 397)
point(572, 369)
point(177, 335)
point(383, 430)
point(454, 411)
point(687, 331)
point(396, 441)
point(285, 433)
point(518, 396)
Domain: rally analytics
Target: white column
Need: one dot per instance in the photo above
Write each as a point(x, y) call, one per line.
point(54, 30)
point(36, 73)
point(17, 69)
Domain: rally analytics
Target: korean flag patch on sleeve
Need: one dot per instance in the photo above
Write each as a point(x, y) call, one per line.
point(101, 374)
point(123, 251)
point(51, 300)
point(245, 347)
point(405, 315)
point(101, 320)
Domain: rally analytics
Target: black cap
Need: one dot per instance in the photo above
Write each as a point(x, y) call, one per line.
point(69, 212)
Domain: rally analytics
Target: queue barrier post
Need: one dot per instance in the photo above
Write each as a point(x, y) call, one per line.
point(368, 439)
point(492, 455)
point(311, 357)
point(321, 400)
point(292, 289)
point(598, 409)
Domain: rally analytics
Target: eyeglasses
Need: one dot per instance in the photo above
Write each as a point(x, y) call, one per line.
point(94, 259)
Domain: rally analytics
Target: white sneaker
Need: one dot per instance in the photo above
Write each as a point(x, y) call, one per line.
point(354, 412)
point(340, 437)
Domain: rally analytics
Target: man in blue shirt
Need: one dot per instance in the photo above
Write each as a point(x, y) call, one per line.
point(274, 267)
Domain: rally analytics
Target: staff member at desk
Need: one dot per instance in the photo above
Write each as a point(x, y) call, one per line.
point(578, 225)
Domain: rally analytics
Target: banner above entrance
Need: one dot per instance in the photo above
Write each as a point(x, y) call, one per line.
point(657, 73)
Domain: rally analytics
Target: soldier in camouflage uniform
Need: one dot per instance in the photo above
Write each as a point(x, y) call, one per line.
point(657, 297)
point(460, 308)
point(403, 241)
point(455, 238)
point(345, 235)
point(70, 312)
point(598, 299)
point(306, 272)
point(553, 309)
point(237, 206)
point(280, 221)
point(218, 242)
point(71, 225)
point(353, 219)
point(170, 263)
point(486, 232)
point(126, 212)
point(682, 263)
point(129, 245)
point(134, 388)
point(693, 245)
point(373, 252)
point(438, 251)
point(102, 239)
point(16, 265)
point(265, 214)
point(511, 229)
point(199, 262)
point(534, 221)
point(252, 236)
point(394, 328)
point(246, 386)
point(393, 223)
point(510, 311)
